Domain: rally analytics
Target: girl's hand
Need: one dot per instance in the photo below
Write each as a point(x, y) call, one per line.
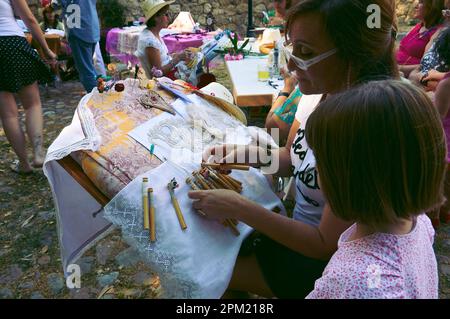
point(218, 204)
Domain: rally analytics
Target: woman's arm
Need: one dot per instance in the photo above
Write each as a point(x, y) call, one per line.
point(442, 97)
point(407, 69)
point(315, 242)
point(416, 76)
point(21, 8)
point(154, 59)
point(273, 121)
point(289, 86)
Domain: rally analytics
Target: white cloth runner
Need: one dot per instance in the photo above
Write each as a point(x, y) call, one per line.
point(197, 262)
point(77, 227)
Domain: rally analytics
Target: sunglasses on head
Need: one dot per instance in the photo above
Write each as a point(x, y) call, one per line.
point(446, 13)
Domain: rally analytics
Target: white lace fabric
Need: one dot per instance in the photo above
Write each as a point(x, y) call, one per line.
point(197, 262)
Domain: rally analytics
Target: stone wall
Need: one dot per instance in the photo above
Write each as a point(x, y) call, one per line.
point(232, 14)
point(405, 12)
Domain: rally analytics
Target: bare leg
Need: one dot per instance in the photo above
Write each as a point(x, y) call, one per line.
point(31, 101)
point(10, 120)
point(247, 277)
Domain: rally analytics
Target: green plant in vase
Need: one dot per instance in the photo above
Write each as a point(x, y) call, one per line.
point(235, 52)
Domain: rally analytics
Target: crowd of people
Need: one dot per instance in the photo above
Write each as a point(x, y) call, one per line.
point(365, 126)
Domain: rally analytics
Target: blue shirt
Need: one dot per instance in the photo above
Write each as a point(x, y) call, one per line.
point(85, 27)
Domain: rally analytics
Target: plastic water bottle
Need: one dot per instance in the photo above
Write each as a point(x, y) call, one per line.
point(276, 62)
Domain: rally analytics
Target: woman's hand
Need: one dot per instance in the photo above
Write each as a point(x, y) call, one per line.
point(218, 204)
point(237, 154)
point(433, 75)
point(289, 81)
point(177, 57)
point(51, 57)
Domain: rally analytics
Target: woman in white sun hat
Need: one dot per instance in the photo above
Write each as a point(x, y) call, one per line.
point(152, 51)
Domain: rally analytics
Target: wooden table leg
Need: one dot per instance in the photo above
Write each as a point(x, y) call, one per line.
point(74, 169)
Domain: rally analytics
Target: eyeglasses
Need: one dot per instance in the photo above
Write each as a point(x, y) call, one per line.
point(446, 13)
point(162, 14)
point(305, 64)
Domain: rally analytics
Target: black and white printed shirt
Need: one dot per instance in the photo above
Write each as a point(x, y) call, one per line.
point(308, 196)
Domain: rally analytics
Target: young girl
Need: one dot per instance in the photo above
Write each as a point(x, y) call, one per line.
point(380, 152)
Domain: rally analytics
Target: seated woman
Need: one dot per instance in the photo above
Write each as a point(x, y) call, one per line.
point(435, 63)
point(388, 252)
point(152, 51)
point(283, 110)
point(287, 255)
point(442, 103)
point(51, 20)
point(419, 39)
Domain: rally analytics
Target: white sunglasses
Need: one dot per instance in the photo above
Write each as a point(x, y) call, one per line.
point(446, 13)
point(306, 64)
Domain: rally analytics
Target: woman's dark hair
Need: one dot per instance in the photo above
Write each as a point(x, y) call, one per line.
point(433, 12)
point(369, 51)
point(380, 151)
point(47, 25)
point(152, 21)
point(443, 46)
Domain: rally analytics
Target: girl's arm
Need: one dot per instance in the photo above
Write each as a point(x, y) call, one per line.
point(21, 8)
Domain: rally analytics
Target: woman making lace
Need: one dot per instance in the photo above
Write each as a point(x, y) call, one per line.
point(152, 51)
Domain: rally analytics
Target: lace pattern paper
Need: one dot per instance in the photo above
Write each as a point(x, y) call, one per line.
point(194, 263)
point(183, 138)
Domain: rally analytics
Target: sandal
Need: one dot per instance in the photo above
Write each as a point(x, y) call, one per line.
point(15, 167)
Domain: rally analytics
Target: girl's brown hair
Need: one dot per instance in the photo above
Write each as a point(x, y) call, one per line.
point(433, 12)
point(369, 52)
point(380, 151)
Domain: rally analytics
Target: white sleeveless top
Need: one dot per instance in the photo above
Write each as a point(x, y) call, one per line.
point(308, 197)
point(148, 39)
point(8, 23)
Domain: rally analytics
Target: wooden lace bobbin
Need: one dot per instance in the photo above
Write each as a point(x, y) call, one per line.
point(145, 203)
point(152, 215)
point(171, 186)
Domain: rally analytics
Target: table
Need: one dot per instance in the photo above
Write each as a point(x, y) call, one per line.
point(53, 42)
point(96, 141)
point(247, 90)
point(179, 42)
point(122, 43)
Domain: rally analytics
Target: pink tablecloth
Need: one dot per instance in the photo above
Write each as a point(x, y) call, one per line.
point(117, 50)
point(122, 43)
point(179, 42)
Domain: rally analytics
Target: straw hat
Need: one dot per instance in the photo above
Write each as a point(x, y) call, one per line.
point(270, 36)
point(151, 7)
